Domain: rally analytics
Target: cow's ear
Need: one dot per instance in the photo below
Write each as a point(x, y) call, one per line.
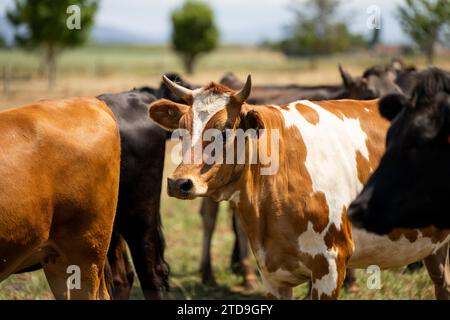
point(167, 113)
point(391, 105)
point(252, 120)
point(346, 77)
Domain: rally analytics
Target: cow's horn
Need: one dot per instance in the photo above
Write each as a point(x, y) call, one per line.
point(179, 91)
point(242, 95)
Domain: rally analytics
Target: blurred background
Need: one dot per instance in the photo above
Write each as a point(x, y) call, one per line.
point(52, 49)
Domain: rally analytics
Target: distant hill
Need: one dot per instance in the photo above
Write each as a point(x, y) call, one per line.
point(111, 35)
point(100, 35)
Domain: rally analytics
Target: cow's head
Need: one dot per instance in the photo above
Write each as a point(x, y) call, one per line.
point(376, 82)
point(411, 188)
point(214, 109)
point(231, 81)
point(165, 92)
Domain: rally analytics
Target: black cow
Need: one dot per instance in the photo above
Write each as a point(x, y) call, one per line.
point(138, 218)
point(378, 81)
point(411, 187)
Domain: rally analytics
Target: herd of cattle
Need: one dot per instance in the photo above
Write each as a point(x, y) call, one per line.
point(81, 181)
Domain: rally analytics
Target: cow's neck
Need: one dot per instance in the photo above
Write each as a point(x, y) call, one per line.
point(262, 200)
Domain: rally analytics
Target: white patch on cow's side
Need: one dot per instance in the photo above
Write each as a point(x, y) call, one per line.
point(274, 282)
point(366, 109)
point(204, 107)
point(331, 147)
point(312, 242)
point(328, 283)
point(382, 251)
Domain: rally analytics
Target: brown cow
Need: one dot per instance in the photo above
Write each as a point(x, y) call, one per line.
point(60, 175)
point(241, 261)
point(293, 209)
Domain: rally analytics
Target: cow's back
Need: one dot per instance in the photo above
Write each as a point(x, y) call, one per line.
point(143, 142)
point(344, 141)
point(351, 157)
point(59, 160)
point(334, 146)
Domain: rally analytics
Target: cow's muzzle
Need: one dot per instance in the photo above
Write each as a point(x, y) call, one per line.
point(180, 188)
point(356, 213)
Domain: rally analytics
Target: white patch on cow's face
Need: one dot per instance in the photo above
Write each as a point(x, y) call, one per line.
point(205, 105)
point(331, 147)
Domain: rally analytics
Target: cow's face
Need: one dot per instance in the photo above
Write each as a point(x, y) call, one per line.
point(410, 187)
point(370, 85)
point(211, 114)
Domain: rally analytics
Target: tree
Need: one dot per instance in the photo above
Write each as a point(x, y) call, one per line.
point(49, 28)
point(194, 32)
point(316, 30)
point(2, 41)
point(425, 22)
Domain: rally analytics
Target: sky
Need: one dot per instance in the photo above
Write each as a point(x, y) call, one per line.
point(239, 21)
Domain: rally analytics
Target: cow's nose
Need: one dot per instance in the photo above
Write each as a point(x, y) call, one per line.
point(179, 186)
point(356, 213)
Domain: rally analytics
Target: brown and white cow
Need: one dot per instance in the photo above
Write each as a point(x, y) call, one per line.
point(59, 168)
point(296, 218)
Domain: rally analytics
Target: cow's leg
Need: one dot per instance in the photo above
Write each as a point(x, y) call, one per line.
point(77, 276)
point(235, 263)
point(350, 284)
point(120, 273)
point(103, 293)
point(308, 290)
point(328, 274)
point(245, 260)
point(274, 290)
point(208, 212)
point(75, 264)
point(438, 267)
point(142, 232)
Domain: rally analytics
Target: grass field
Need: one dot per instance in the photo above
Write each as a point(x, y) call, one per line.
point(95, 70)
